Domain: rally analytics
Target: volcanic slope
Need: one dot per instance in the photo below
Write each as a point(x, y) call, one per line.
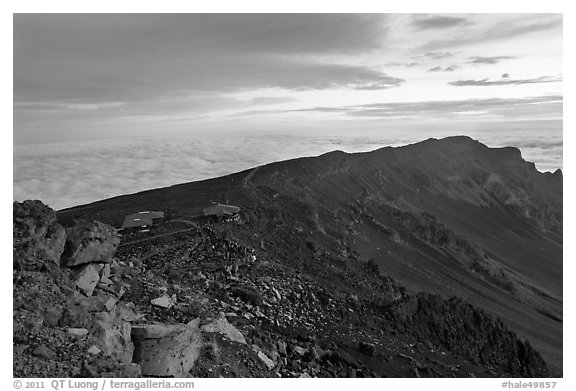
point(451, 217)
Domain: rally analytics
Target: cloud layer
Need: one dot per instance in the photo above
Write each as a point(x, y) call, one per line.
point(127, 57)
point(80, 76)
point(539, 107)
point(498, 31)
point(450, 68)
point(438, 22)
point(505, 80)
point(72, 173)
point(489, 60)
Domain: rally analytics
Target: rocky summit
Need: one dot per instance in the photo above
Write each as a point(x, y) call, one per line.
point(438, 259)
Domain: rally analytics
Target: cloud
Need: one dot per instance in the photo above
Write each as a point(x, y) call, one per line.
point(108, 75)
point(201, 75)
point(380, 83)
point(72, 173)
point(438, 22)
point(80, 105)
point(402, 64)
point(204, 33)
point(450, 68)
point(438, 55)
point(126, 57)
point(498, 31)
point(271, 100)
point(489, 60)
point(477, 109)
point(505, 81)
point(552, 105)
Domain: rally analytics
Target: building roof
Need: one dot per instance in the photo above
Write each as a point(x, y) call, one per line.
point(149, 214)
point(133, 221)
point(221, 210)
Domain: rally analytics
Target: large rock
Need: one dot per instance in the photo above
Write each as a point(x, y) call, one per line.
point(89, 242)
point(113, 335)
point(35, 226)
point(266, 360)
point(166, 351)
point(87, 277)
point(222, 326)
point(163, 301)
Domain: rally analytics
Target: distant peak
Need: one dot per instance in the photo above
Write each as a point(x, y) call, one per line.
point(460, 140)
point(334, 153)
point(453, 142)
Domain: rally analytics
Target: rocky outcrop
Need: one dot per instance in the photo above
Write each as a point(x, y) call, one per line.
point(35, 228)
point(88, 252)
point(113, 332)
point(166, 351)
point(63, 324)
point(171, 350)
point(89, 242)
point(128, 316)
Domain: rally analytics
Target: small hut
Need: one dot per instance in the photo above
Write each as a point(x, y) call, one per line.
point(220, 212)
point(141, 221)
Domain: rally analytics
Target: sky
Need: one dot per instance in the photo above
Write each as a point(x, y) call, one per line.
point(109, 104)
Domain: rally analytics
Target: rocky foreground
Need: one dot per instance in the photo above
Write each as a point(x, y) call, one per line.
point(200, 303)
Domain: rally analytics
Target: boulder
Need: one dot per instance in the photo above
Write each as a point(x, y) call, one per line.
point(300, 350)
point(124, 311)
point(282, 348)
point(151, 331)
point(222, 326)
point(166, 351)
point(89, 242)
point(94, 350)
point(162, 301)
point(35, 226)
point(266, 360)
point(111, 303)
point(105, 273)
point(113, 335)
point(87, 277)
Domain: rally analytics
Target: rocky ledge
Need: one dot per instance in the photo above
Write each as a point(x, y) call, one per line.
point(199, 303)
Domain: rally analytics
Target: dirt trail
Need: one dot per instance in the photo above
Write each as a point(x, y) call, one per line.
point(155, 237)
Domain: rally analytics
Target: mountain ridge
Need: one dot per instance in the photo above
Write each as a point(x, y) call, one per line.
point(330, 153)
point(450, 216)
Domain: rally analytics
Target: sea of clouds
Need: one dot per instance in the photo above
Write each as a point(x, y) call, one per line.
point(65, 174)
